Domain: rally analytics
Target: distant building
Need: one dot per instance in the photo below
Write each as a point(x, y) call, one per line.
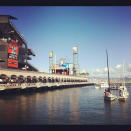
point(14, 51)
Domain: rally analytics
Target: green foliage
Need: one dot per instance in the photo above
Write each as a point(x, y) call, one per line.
point(86, 74)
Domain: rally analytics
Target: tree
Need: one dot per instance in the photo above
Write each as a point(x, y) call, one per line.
point(86, 74)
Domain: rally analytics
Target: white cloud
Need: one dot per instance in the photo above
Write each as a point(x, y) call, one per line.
point(118, 66)
point(115, 71)
point(97, 70)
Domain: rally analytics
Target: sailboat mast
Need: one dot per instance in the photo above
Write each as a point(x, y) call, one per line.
point(108, 69)
point(123, 75)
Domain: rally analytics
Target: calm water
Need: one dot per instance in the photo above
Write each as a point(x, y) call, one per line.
point(67, 106)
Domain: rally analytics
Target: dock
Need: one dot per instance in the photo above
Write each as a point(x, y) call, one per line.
point(21, 80)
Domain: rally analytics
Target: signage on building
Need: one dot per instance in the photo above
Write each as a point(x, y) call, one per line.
point(71, 66)
point(67, 66)
point(12, 55)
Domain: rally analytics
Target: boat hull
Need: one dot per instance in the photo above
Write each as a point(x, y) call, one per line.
point(97, 87)
point(122, 98)
point(107, 98)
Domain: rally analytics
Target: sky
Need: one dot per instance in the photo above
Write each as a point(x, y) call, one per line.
point(92, 28)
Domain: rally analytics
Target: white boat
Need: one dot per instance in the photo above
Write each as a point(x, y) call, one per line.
point(123, 93)
point(97, 86)
point(108, 96)
point(104, 85)
point(115, 86)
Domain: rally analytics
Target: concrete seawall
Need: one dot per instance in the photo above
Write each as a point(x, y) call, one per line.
point(31, 87)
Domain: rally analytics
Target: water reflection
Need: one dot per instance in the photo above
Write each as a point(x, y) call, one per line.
point(123, 106)
point(108, 111)
point(66, 106)
point(61, 102)
point(74, 106)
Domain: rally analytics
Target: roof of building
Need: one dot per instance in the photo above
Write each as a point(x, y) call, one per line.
point(7, 29)
point(9, 17)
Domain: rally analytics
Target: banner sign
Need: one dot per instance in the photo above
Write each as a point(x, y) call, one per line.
point(12, 55)
point(66, 65)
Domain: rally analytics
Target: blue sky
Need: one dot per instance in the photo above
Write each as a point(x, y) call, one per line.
point(91, 28)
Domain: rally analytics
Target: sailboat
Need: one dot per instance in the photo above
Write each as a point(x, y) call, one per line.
point(123, 93)
point(108, 94)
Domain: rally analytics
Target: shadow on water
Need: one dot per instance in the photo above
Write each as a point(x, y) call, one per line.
point(11, 94)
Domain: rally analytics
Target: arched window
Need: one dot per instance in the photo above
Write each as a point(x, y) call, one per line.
point(40, 79)
point(34, 79)
point(4, 79)
point(49, 80)
point(28, 79)
point(44, 80)
point(21, 79)
point(13, 79)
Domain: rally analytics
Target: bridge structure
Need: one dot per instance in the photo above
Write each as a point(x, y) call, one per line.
point(19, 79)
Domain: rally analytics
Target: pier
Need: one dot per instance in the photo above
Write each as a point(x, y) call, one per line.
point(18, 79)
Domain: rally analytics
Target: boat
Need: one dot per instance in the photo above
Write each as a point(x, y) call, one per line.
point(97, 86)
point(123, 93)
point(104, 85)
point(108, 96)
point(115, 87)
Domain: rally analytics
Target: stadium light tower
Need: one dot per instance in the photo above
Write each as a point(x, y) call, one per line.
point(50, 61)
point(75, 61)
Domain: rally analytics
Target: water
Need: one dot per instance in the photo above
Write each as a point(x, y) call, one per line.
point(80, 106)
